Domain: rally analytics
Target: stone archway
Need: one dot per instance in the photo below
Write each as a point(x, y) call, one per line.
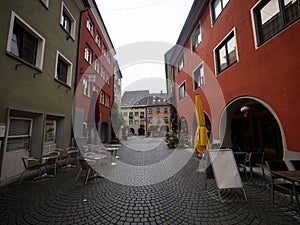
point(141, 131)
point(253, 128)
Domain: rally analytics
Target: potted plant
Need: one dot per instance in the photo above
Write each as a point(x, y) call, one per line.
point(171, 139)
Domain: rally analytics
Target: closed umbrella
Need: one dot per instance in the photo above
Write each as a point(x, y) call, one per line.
point(201, 138)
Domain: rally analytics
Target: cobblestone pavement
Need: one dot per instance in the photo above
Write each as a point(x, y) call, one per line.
point(180, 199)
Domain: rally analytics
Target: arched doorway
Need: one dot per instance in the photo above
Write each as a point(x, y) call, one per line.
point(104, 132)
point(251, 127)
point(141, 131)
point(183, 125)
point(164, 128)
point(132, 132)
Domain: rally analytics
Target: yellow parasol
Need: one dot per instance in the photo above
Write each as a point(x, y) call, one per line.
point(201, 139)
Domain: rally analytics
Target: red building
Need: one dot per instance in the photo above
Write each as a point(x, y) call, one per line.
point(242, 57)
point(95, 82)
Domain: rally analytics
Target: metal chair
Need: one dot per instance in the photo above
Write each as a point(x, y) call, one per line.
point(30, 164)
point(256, 159)
point(240, 159)
point(279, 165)
point(73, 153)
point(52, 161)
point(87, 166)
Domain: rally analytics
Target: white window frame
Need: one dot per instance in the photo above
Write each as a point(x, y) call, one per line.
point(86, 87)
point(70, 67)
point(97, 65)
point(179, 91)
point(103, 72)
point(102, 97)
point(107, 100)
point(199, 38)
point(45, 2)
point(88, 54)
point(98, 39)
point(40, 45)
point(90, 26)
point(107, 78)
point(181, 63)
point(20, 136)
point(237, 52)
point(212, 13)
point(200, 84)
point(65, 9)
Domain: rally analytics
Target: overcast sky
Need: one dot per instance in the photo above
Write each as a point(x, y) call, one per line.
point(134, 21)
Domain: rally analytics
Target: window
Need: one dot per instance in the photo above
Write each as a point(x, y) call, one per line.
point(96, 88)
point(142, 122)
point(166, 119)
point(130, 122)
point(45, 2)
point(125, 114)
point(98, 39)
point(136, 113)
point(67, 21)
point(130, 114)
point(88, 54)
point(136, 122)
point(199, 77)
point(25, 43)
point(19, 133)
point(90, 26)
point(272, 16)
point(217, 6)
point(107, 101)
point(150, 110)
point(158, 120)
point(86, 87)
point(226, 53)
point(50, 133)
point(157, 110)
point(182, 91)
point(103, 72)
point(196, 38)
point(97, 65)
point(104, 50)
point(63, 69)
point(102, 97)
point(166, 110)
point(180, 63)
point(107, 79)
point(108, 58)
point(142, 114)
point(150, 120)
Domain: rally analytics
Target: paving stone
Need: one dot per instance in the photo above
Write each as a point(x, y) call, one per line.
point(180, 199)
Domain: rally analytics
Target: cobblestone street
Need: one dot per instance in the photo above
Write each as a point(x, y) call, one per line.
point(179, 199)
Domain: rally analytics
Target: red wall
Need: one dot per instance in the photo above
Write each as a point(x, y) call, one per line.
point(269, 73)
point(87, 39)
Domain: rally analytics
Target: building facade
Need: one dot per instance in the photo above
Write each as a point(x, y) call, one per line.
point(241, 57)
point(133, 109)
point(95, 80)
point(158, 114)
point(38, 62)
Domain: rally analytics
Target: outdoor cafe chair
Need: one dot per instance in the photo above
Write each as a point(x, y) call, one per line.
point(31, 164)
point(63, 156)
point(73, 154)
point(256, 159)
point(52, 161)
point(240, 159)
point(86, 165)
point(279, 165)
